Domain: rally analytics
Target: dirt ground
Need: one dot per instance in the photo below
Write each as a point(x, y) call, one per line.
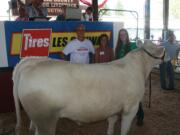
point(163, 118)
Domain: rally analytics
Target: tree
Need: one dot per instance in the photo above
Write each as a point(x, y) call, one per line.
point(104, 12)
point(119, 6)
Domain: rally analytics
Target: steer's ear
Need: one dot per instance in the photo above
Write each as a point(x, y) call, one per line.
point(139, 43)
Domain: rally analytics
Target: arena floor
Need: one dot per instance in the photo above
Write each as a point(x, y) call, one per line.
point(163, 118)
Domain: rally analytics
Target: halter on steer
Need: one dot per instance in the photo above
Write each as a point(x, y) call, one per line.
point(155, 57)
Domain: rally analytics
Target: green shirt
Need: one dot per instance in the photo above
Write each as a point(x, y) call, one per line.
point(124, 49)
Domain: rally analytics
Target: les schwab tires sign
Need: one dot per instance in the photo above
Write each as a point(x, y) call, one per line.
point(35, 42)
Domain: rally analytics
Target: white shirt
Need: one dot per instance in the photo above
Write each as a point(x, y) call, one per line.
point(32, 11)
point(172, 49)
point(79, 50)
point(86, 17)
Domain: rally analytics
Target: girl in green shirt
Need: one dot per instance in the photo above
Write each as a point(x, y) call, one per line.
point(123, 44)
point(122, 48)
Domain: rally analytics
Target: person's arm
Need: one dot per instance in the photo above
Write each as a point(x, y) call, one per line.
point(83, 17)
point(91, 58)
point(67, 57)
point(91, 52)
point(120, 52)
point(178, 51)
point(111, 54)
point(60, 17)
point(133, 46)
point(67, 51)
point(44, 11)
point(116, 54)
point(96, 56)
point(64, 57)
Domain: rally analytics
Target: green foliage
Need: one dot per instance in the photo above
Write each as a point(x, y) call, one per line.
point(103, 12)
point(119, 6)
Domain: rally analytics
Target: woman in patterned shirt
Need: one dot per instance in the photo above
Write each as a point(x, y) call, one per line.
point(104, 53)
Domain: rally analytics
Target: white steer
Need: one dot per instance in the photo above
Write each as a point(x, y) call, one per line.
point(50, 89)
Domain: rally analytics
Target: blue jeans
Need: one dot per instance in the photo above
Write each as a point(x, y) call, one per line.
point(167, 75)
point(140, 113)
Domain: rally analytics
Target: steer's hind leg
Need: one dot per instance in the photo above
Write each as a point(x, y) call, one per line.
point(46, 127)
point(127, 118)
point(32, 128)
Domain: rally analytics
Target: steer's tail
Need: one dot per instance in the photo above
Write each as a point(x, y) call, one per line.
point(16, 78)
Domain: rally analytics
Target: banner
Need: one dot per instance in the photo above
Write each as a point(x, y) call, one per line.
point(62, 33)
point(54, 7)
point(60, 3)
point(35, 42)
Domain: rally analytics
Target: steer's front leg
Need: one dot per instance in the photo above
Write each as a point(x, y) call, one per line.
point(127, 118)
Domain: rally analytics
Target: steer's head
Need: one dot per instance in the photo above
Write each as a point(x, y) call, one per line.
point(154, 51)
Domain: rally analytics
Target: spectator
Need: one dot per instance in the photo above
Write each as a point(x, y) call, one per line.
point(88, 15)
point(23, 16)
point(80, 49)
point(123, 45)
point(122, 48)
point(166, 68)
point(61, 15)
point(103, 53)
point(36, 9)
point(152, 37)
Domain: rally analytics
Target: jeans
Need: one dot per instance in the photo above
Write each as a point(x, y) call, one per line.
point(167, 75)
point(140, 113)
